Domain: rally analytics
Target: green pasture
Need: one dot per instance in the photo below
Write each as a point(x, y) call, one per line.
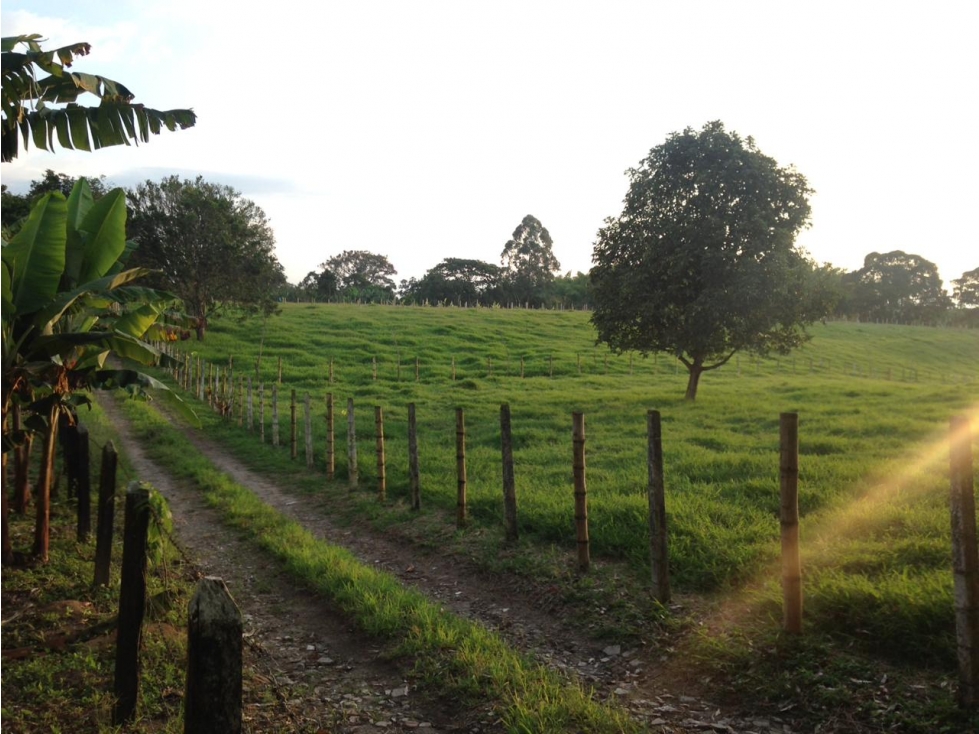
point(872, 400)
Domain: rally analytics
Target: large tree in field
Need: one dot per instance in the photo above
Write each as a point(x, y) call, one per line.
point(362, 275)
point(528, 263)
point(458, 281)
point(214, 248)
point(701, 263)
point(966, 289)
point(899, 286)
point(41, 109)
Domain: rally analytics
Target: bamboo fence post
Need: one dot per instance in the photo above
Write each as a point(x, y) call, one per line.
point(580, 492)
point(965, 561)
point(658, 548)
point(413, 474)
point(330, 447)
point(241, 401)
point(275, 414)
point(280, 371)
point(382, 485)
point(261, 411)
point(293, 437)
point(105, 513)
point(460, 468)
point(132, 603)
point(210, 385)
point(212, 700)
point(509, 483)
point(351, 445)
point(308, 428)
point(791, 565)
point(251, 406)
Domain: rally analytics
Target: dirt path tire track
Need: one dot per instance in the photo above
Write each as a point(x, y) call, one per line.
point(286, 621)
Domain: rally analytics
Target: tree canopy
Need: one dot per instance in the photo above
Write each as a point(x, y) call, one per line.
point(701, 263)
point(362, 275)
point(896, 286)
point(458, 281)
point(966, 291)
point(30, 104)
point(529, 263)
point(214, 248)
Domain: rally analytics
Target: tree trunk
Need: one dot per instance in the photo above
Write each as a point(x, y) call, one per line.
point(201, 327)
point(42, 525)
point(22, 461)
point(696, 369)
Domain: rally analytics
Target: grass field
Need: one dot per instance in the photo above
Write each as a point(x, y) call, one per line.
point(874, 403)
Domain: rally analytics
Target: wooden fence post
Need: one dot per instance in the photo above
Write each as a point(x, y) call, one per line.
point(251, 406)
point(374, 369)
point(330, 447)
point(308, 430)
point(132, 603)
point(293, 433)
point(509, 483)
point(331, 370)
point(212, 700)
point(965, 561)
point(83, 485)
point(351, 445)
point(413, 474)
point(241, 401)
point(461, 468)
point(280, 371)
point(275, 414)
point(658, 548)
point(382, 485)
point(261, 412)
point(791, 566)
point(580, 492)
point(417, 369)
point(105, 513)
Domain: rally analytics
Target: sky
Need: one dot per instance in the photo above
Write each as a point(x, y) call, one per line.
point(422, 130)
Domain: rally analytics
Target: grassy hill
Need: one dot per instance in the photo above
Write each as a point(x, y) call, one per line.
point(874, 403)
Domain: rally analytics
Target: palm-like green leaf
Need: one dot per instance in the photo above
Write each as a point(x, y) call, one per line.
point(36, 255)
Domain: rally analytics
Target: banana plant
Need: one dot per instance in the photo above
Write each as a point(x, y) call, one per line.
point(69, 303)
point(29, 103)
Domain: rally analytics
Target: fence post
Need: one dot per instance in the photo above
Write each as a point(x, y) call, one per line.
point(791, 566)
point(275, 414)
point(331, 370)
point(580, 492)
point(658, 547)
point(509, 483)
point(105, 513)
point(382, 485)
point(132, 603)
point(280, 371)
point(330, 447)
point(308, 428)
point(241, 401)
point(413, 475)
point(351, 445)
point(965, 561)
point(212, 701)
point(251, 406)
point(461, 468)
point(261, 411)
point(293, 437)
point(374, 369)
point(417, 369)
point(83, 485)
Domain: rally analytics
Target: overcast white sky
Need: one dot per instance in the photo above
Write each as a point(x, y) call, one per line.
point(425, 130)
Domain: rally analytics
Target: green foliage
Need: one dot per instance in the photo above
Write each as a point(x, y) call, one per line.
point(528, 263)
point(358, 275)
point(896, 287)
point(701, 263)
point(966, 291)
point(457, 282)
point(213, 248)
point(29, 103)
